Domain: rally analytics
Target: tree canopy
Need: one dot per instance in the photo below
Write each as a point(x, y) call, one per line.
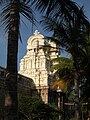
point(32, 108)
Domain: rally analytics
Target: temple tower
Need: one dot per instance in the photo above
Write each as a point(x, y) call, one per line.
point(37, 62)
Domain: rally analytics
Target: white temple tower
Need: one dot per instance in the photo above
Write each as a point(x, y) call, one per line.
point(37, 62)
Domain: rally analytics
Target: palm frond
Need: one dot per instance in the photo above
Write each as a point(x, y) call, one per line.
point(61, 63)
point(58, 28)
point(27, 12)
point(65, 9)
point(24, 9)
point(62, 84)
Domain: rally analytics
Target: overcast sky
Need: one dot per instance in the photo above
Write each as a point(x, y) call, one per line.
point(27, 32)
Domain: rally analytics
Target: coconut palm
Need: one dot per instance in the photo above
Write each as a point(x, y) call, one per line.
point(63, 76)
point(62, 11)
point(11, 12)
point(73, 38)
point(85, 67)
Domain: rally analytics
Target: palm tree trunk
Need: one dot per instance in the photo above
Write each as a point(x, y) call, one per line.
point(76, 81)
point(11, 101)
point(76, 92)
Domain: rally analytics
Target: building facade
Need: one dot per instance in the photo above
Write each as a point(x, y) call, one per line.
point(37, 62)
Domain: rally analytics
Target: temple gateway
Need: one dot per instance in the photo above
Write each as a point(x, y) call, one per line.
point(36, 64)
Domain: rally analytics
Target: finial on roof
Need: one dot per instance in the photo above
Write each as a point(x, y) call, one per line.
point(36, 32)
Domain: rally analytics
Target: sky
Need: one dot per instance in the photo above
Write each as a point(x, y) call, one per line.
point(26, 32)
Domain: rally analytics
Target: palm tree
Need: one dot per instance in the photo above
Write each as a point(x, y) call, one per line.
point(63, 76)
point(73, 37)
point(85, 67)
point(11, 11)
point(62, 11)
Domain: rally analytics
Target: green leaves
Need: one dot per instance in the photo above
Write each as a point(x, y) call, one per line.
point(34, 109)
point(63, 73)
point(23, 9)
point(62, 67)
